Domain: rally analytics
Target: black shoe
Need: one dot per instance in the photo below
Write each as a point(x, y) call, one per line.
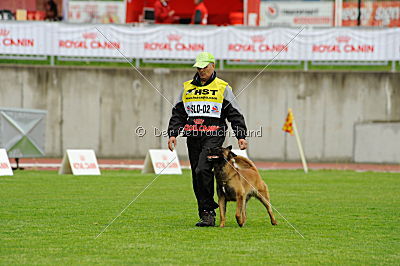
point(207, 219)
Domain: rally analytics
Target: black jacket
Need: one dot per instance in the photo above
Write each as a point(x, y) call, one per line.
point(200, 125)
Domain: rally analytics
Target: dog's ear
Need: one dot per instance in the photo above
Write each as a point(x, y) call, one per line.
point(229, 147)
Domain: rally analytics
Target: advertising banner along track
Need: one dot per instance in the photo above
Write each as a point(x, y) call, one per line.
point(185, 42)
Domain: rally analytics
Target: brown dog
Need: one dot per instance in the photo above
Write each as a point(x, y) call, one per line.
point(237, 180)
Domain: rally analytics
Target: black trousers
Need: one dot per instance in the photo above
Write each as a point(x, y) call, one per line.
point(202, 170)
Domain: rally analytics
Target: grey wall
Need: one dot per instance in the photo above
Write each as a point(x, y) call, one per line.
point(101, 108)
point(377, 142)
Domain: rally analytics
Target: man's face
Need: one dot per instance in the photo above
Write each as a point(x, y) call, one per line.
point(206, 73)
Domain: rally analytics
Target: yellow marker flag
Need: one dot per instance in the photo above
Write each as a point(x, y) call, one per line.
point(288, 126)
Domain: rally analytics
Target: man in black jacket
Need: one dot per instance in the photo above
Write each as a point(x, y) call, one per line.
point(201, 110)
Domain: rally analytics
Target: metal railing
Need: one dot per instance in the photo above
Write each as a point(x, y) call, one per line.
point(392, 66)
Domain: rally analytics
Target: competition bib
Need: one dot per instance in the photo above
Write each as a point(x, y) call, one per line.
point(203, 109)
point(206, 100)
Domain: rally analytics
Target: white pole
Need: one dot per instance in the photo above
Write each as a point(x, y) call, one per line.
point(65, 6)
point(303, 159)
point(338, 13)
point(245, 12)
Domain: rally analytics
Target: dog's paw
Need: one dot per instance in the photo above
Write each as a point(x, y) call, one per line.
point(240, 221)
point(274, 222)
point(222, 225)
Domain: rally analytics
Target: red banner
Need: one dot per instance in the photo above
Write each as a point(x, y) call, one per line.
point(372, 14)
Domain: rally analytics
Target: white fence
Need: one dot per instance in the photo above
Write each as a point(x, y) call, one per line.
point(185, 42)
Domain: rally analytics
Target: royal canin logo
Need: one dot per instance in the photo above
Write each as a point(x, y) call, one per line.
point(215, 109)
point(164, 157)
point(198, 121)
point(257, 38)
point(89, 35)
point(82, 158)
point(345, 39)
point(174, 37)
point(4, 32)
point(271, 10)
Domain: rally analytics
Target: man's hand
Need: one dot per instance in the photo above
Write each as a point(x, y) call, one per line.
point(171, 143)
point(242, 144)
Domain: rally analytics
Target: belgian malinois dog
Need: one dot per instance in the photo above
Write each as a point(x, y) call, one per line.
point(237, 180)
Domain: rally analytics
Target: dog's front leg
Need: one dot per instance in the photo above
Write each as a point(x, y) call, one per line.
point(222, 210)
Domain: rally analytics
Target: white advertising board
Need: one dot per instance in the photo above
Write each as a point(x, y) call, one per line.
point(177, 42)
point(96, 12)
point(162, 162)
point(79, 162)
point(5, 167)
point(25, 38)
point(296, 13)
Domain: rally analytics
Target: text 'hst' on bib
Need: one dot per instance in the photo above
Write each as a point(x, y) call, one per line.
point(204, 101)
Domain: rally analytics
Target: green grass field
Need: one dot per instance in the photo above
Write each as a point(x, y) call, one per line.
point(346, 217)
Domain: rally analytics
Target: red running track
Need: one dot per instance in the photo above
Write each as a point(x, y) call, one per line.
point(54, 163)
